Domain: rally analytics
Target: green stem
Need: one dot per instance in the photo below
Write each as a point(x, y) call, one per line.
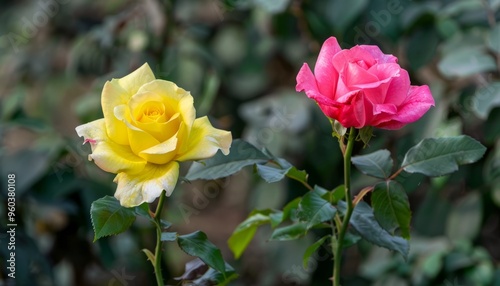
point(158, 250)
point(345, 223)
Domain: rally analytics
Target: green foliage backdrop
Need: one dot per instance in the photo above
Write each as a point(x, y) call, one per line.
point(239, 59)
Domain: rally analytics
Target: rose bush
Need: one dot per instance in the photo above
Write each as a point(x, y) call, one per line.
point(149, 126)
point(362, 87)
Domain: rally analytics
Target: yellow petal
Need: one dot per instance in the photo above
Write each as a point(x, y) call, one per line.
point(132, 82)
point(138, 139)
point(113, 95)
point(138, 100)
point(204, 140)
point(119, 91)
point(176, 99)
point(161, 131)
point(146, 186)
point(161, 153)
point(108, 155)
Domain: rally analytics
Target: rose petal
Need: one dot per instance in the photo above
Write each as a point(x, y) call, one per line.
point(161, 153)
point(133, 190)
point(346, 116)
point(161, 131)
point(112, 96)
point(132, 82)
point(363, 110)
point(357, 77)
point(139, 139)
point(108, 155)
point(325, 73)
point(378, 55)
point(139, 99)
point(354, 55)
point(384, 71)
point(417, 103)
point(398, 88)
point(172, 95)
point(306, 82)
point(384, 108)
point(204, 141)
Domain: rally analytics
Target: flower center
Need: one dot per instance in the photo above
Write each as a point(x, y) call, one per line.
point(151, 112)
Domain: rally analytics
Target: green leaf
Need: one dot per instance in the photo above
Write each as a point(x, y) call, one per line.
point(338, 129)
point(271, 174)
point(364, 222)
point(485, 99)
point(297, 175)
point(275, 174)
point(290, 232)
point(351, 239)
point(244, 233)
point(377, 164)
point(441, 156)
point(165, 224)
point(335, 195)
point(466, 62)
point(493, 40)
point(197, 244)
point(290, 209)
point(212, 276)
point(168, 236)
point(365, 134)
point(276, 218)
point(150, 256)
point(311, 249)
point(391, 207)
point(143, 210)
point(241, 154)
point(320, 191)
point(109, 217)
point(313, 209)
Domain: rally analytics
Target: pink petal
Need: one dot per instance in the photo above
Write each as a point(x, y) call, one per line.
point(378, 55)
point(353, 55)
point(358, 114)
point(326, 75)
point(358, 77)
point(384, 108)
point(346, 116)
point(363, 109)
point(398, 89)
point(384, 71)
point(307, 82)
point(91, 141)
point(417, 103)
point(377, 92)
point(347, 97)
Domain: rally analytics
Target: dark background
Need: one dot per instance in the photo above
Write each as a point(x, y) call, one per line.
point(239, 59)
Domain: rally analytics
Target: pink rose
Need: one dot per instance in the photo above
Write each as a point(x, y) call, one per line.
point(362, 87)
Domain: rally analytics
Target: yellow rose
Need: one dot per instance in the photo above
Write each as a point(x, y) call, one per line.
point(149, 126)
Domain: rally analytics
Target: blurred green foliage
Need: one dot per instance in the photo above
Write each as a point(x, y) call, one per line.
point(239, 59)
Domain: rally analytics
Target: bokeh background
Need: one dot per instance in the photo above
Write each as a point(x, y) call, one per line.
point(239, 59)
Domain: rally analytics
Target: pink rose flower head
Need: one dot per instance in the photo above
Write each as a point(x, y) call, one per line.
point(362, 87)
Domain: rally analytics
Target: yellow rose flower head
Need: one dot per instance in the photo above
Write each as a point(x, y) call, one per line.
point(149, 126)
